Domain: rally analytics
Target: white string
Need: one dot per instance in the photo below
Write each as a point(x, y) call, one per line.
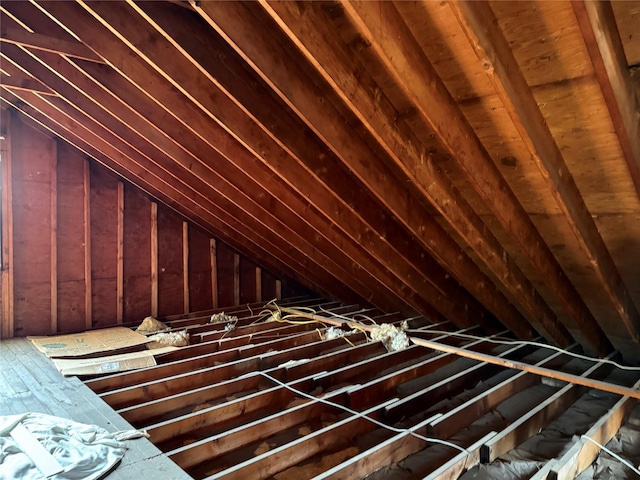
point(625, 462)
point(361, 415)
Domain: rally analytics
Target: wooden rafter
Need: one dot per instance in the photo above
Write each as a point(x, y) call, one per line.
point(77, 134)
point(382, 27)
point(602, 38)
point(272, 61)
point(13, 34)
point(332, 58)
point(185, 82)
point(480, 25)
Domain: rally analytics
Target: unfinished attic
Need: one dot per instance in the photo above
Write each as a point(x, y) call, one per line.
point(385, 240)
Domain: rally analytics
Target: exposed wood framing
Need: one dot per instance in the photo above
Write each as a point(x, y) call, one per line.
point(584, 452)
point(53, 199)
point(607, 387)
point(268, 375)
point(602, 38)
point(10, 33)
point(88, 300)
point(120, 256)
point(214, 272)
point(24, 82)
point(7, 225)
point(185, 266)
point(335, 62)
point(258, 284)
point(154, 259)
point(270, 60)
point(401, 55)
point(236, 279)
point(480, 26)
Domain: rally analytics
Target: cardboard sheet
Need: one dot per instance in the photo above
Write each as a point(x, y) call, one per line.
point(85, 343)
point(110, 363)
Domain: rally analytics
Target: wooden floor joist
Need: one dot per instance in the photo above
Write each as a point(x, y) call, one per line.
point(254, 409)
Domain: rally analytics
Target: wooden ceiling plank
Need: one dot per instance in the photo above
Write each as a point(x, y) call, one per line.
point(602, 39)
point(13, 34)
point(14, 76)
point(71, 131)
point(336, 63)
point(481, 27)
point(454, 302)
point(403, 58)
point(250, 162)
point(271, 60)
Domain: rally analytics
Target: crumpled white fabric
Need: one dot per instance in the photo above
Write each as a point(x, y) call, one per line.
point(85, 451)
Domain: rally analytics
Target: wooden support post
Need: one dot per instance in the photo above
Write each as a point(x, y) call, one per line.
point(584, 452)
point(214, 273)
point(545, 372)
point(154, 259)
point(258, 284)
point(462, 462)
point(278, 289)
point(88, 303)
point(7, 225)
point(185, 266)
point(236, 279)
point(53, 198)
point(120, 256)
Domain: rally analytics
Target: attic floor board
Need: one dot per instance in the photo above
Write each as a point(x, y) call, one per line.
point(29, 382)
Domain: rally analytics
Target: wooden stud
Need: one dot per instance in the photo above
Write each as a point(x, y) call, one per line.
point(7, 329)
point(88, 304)
point(53, 169)
point(185, 266)
point(545, 372)
point(602, 38)
point(120, 256)
point(154, 259)
point(493, 51)
point(278, 289)
point(258, 284)
point(236, 279)
point(214, 272)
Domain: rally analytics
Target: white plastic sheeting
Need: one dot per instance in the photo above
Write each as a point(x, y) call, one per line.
point(84, 451)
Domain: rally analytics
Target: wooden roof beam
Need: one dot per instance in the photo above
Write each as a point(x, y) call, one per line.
point(305, 26)
point(199, 179)
point(270, 58)
point(482, 29)
point(76, 132)
point(453, 309)
point(381, 25)
point(602, 39)
point(14, 34)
